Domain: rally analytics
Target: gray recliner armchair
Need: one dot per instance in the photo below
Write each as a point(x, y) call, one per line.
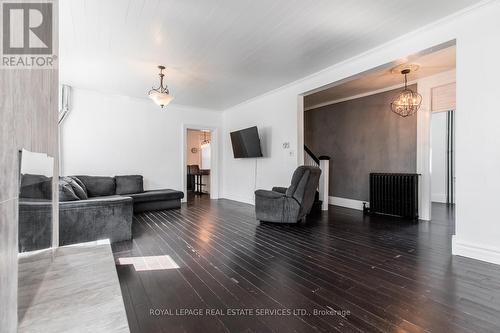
point(292, 204)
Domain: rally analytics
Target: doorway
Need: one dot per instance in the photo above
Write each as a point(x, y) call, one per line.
point(434, 80)
point(198, 163)
point(442, 163)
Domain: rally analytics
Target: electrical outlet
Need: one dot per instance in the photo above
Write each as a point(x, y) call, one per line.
point(291, 153)
point(286, 145)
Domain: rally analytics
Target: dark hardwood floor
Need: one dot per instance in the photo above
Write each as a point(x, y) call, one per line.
point(338, 272)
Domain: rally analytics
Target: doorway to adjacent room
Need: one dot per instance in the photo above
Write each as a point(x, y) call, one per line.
point(198, 162)
point(443, 163)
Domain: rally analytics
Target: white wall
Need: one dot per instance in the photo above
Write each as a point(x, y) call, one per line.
point(37, 163)
point(477, 118)
point(276, 126)
point(438, 157)
point(113, 135)
point(477, 156)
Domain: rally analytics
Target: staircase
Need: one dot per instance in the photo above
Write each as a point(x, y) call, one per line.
point(322, 162)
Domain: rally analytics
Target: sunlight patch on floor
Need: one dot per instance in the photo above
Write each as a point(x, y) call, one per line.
point(149, 263)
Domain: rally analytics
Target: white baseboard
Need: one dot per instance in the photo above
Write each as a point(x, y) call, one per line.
point(348, 203)
point(250, 201)
point(464, 249)
point(438, 197)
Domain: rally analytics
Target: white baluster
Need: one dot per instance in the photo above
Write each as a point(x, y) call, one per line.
point(324, 165)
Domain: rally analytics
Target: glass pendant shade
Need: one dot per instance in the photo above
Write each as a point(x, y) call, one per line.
point(161, 96)
point(407, 102)
point(161, 99)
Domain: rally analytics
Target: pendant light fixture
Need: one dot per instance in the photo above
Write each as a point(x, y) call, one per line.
point(407, 102)
point(161, 95)
point(205, 142)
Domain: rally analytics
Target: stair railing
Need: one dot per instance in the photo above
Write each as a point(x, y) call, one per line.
point(322, 162)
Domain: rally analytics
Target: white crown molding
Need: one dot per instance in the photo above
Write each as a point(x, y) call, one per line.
point(369, 93)
point(447, 75)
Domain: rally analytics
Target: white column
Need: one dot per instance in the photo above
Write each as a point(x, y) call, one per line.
point(324, 165)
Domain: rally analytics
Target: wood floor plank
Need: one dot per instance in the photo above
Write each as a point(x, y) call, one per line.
point(305, 287)
point(225, 278)
point(266, 284)
point(390, 274)
point(326, 291)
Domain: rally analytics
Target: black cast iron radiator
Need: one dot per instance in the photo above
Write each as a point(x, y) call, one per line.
point(394, 194)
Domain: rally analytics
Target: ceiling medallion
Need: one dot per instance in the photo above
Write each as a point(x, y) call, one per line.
point(413, 67)
point(407, 102)
point(161, 95)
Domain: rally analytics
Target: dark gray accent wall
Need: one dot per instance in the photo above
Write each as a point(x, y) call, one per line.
point(361, 136)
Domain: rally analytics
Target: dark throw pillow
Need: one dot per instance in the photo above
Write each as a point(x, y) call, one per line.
point(79, 182)
point(66, 192)
point(79, 191)
point(129, 184)
point(98, 186)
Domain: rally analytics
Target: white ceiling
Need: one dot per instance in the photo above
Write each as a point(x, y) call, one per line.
point(382, 78)
point(219, 53)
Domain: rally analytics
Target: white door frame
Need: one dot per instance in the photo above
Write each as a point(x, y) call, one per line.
point(424, 87)
point(424, 116)
point(423, 159)
point(300, 130)
point(214, 158)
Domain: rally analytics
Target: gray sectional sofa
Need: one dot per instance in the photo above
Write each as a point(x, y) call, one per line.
point(90, 208)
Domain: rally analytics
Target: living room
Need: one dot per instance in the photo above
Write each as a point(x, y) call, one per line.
point(102, 181)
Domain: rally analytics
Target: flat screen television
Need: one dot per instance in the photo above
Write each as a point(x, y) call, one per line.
point(246, 143)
